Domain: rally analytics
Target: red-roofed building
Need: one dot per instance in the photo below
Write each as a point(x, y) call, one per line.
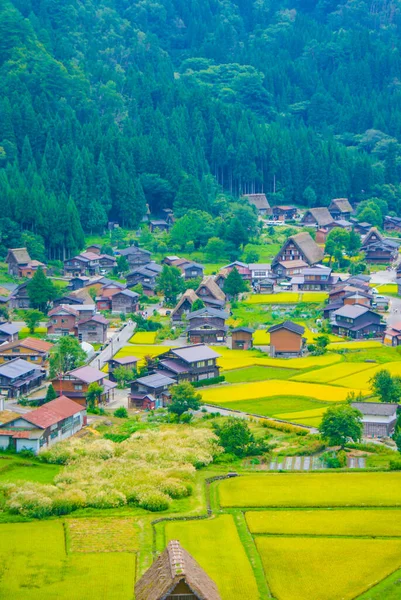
point(44, 426)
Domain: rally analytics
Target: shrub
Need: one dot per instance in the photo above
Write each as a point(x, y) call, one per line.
point(206, 382)
point(395, 465)
point(68, 501)
point(154, 501)
point(286, 427)
point(121, 412)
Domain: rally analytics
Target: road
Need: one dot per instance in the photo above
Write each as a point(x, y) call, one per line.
point(394, 314)
point(118, 340)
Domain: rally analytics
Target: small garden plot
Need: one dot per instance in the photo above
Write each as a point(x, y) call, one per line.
point(216, 545)
point(333, 373)
point(326, 569)
point(102, 535)
point(258, 374)
point(312, 490)
point(326, 522)
point(272, 407)
point(226, 394)
point(144, 337)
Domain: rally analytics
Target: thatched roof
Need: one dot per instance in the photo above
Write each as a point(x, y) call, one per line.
point(21, 255)
point(321, 216)
point(307, 246)
point(173, 566)
point(259, 201)
point(189, 295)
point(372, 232)
point(212, 287)
point(342, 204)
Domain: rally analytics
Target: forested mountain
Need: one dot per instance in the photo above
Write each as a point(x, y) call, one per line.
point(108, 104)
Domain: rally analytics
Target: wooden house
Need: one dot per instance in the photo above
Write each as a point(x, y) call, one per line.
point(299, 247)
point(176, 575)
point(264, 286)
point(18, 377)
point(55, 421)
point(207, 326)
point(129, 362)
point(8, 332)
point(379, 249)
point(93, 329)
point(210, 293)
point(69, 299)
point(356, 322)
point(189, 363)
point(286, 339)
point(340, 208)
point(316, 279)
point(146, 276)
point(170, 260)
point(378, 418)
point(259, 271)
point(317, 217)
point(159, 225)
point(392, 335)
point(19, 298)
point(361, 228)
point(86, 263)
point(20, 264)
point(192, 270)
point(284, 213)
point(285, 269)
point(242, 268)
point(184, 305)
point(392, 224)
point(241, 338)
point(151, 391)
point(62, 321)
point(260, 202)
point(124, 301)
point(107, 263)
point(78, 282)
point(94, 249)
point(31, 349)
point(136, 256)
point(75, 384)
point(220, 278)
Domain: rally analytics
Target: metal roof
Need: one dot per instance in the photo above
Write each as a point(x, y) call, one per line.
point(16, 368)
point(381, 409)
point(194, 353)
point(351, 311)
point(156, 380)
point(288, 325)
point(87, 374)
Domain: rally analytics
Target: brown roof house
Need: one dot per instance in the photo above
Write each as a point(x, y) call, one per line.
point(31, 349)
point(319, 217)
point(260, 202)
point(286, 339)
point(19, 297)
point(62, 321)
point(189, 363)
point(340, 208)
point(184, 305)
point(136, 257)
point(151, 391)
point(300, 247)
point(379, 249)
point(128, 362)
point(210, 293)
point(175, 574)
point(124, 301)
point(207, 326)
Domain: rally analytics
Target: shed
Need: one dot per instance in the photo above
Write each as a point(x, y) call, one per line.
point(242, 338)
point(286, 339)
point(378, 418)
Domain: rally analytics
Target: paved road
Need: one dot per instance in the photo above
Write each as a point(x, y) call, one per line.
point(394, 313)
point(118, 340)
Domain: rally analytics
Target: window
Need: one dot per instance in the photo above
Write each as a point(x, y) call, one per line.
point(77, 386)
point(201, 363)
point(210, 362)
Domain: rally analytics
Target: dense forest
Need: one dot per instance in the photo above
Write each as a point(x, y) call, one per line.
point(106, 105)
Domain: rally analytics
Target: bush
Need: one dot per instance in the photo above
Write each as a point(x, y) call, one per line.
point(205, 382)
point(154, 501)
point(395, 465)
point(121, 412)
point(117, 437)
point(286, 427)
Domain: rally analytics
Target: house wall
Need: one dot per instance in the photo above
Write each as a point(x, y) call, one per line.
point(22, 444)
point(61, 324)
point(92, 332)
point(284, 341)
point(241, 340)
point(36, 358)
point(123, 304)
point(4, 441)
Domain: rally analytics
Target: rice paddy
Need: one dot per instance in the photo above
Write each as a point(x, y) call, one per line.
point(333, 373)
point(287, 298)
point(144, 337)
point(312, 490)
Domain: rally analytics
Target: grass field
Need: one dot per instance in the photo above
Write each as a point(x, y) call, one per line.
point(326, 522)
point(216, 545)
point(102, 535)
point(222, 395)
point(35, 566)
point(13, 468)
point(258, 374)
point(333, 373)
point(273, 407)
point(312, 489)
point(144, 337)
point(287, 298)
point(322, 569)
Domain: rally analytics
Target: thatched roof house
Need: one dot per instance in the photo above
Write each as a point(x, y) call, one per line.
point(175, 573)
point(260, 202)
point(300, 247)
point(318, 216)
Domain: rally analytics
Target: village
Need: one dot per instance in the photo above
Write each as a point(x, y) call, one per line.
point(142, 359)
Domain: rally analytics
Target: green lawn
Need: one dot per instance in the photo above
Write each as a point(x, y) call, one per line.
point(14, 468)
point(270, 407)
point(258, 374)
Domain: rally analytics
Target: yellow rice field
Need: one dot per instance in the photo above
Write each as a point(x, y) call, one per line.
point(361, 379)
point(262, 337)
point(302, 415)
point(312, 490)
point(262, 389)
point(333, 373)
point(326, 522)
point(354, 345)
point(144, 337)
point(237, 359)
point(326, 569)
point(140, 351)
point(287, 298)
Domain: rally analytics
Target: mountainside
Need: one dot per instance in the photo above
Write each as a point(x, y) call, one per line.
point(106, 105)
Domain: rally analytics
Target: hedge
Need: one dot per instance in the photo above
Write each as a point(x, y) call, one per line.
point(205, 382)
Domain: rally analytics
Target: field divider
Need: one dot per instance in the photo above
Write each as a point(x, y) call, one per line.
point(253, 415)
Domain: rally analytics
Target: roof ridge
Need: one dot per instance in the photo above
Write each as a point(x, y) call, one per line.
point(176, 558)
